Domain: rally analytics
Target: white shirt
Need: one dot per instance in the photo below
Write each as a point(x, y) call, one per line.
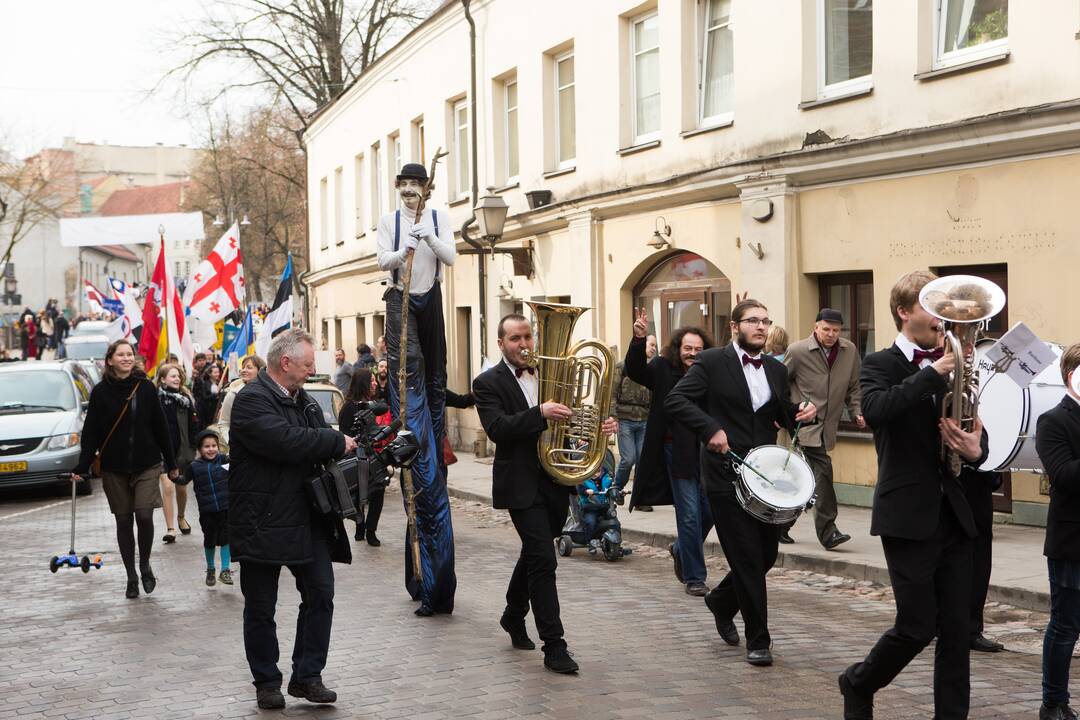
point(760, 392)
point(908, 348)
point(440, 248)
point(529, 384)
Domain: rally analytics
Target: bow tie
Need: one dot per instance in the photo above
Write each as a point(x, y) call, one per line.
point(756, 362)
point(518, 371)
point(931, 355)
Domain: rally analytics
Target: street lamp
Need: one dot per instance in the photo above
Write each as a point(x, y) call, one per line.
point(219, 222)
point(490, 214)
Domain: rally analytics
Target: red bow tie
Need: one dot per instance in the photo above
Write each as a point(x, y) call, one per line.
point(931, 355)
point(518, 371)
point(756, 362)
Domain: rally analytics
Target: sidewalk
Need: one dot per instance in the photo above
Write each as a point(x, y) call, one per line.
point(1019, 575)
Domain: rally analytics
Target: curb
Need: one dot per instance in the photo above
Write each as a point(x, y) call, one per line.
point(1018, 597)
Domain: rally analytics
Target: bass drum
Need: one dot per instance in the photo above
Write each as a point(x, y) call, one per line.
point(1009, 413)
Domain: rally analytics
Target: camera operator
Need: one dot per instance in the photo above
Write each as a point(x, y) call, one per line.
point(277, 439)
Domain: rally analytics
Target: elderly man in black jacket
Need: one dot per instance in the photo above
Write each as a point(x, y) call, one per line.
point(278, 438)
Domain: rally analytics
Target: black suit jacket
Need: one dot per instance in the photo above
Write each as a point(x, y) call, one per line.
point(901, 403)
point(1057, 440)
point(514, 427)
point(717, 380)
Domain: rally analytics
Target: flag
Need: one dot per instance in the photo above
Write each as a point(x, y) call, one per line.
point(176, 321)
point(154, 341)
point(217, 287)
point(132, 311)
point(118, 329)
point(244, 342)
point(99, 303)
point(280, 316)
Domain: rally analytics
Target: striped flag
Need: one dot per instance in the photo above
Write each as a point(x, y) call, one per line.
point(280, 316)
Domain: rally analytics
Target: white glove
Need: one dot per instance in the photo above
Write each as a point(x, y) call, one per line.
point(422, 231)
point(410, 243)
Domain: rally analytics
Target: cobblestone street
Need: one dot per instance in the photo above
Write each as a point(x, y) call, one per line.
point(71, 646)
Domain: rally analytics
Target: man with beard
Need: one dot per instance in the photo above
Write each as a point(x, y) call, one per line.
point(920, 511)
point(430, 241)
point(342, 372)
point(734, 398)
point(382, 381)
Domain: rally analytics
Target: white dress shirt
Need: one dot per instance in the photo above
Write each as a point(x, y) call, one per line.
point(439, 248)
point(760, 392)
point(529, 384)
point(908, 348)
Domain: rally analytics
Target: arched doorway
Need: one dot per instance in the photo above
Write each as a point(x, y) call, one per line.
point(686, 289)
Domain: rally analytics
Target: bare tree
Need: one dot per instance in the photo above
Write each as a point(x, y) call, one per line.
point(305, 52)
point(32, 192)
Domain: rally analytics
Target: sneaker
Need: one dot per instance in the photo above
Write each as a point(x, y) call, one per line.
point(210, 577)
point(269, 698)
point(313, 691)
point(559, 659)
point(225, 577)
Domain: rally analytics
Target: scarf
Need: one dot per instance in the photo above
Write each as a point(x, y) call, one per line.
point(175, 397)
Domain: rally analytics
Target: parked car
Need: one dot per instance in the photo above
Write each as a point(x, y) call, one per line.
point(42, 408)
point(89, 327)
point(86, 347)
point(94, 367)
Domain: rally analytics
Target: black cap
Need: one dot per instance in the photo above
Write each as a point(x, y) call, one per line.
point(205, 434)
point(413, 171)
point(830, 315)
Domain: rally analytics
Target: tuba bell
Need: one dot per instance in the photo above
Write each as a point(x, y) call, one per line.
point(571, 451)
point(965, 303)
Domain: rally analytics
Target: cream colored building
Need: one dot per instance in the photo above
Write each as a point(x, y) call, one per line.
point(809, 151)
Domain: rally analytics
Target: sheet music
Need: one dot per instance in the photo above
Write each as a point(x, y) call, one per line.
point(1020, 355)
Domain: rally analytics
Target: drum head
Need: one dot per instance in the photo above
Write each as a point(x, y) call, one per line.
point(1002, 409)
point(791, 486)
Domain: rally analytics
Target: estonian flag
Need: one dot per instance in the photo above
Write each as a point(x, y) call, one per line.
point(280, 316)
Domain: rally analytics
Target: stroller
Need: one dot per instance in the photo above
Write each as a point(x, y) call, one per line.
point(607, 535)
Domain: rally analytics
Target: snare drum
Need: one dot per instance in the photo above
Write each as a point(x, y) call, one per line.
point(788, 491)
point(1010, 413)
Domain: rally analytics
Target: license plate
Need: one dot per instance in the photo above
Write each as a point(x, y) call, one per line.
point(11, 467)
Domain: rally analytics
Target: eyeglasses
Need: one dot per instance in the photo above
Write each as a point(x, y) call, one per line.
point(764, 322)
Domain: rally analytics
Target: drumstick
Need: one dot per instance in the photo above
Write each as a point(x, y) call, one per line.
point(795, 436)
point(746, 464)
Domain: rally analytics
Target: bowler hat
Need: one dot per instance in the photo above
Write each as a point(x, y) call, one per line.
point(413, 171)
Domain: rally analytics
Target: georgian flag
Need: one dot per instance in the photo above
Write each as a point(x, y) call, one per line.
point(217, 286)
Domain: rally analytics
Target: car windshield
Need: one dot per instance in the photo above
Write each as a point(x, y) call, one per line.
point(35, 391)
point(86, 350)
point(330, 402)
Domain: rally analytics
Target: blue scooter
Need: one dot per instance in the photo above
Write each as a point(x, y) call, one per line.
point(71, 560)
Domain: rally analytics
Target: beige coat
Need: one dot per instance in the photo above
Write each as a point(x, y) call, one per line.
point(829, 390)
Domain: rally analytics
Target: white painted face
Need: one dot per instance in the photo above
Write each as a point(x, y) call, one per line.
point(410, 190)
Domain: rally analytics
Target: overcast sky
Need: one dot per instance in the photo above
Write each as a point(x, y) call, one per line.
point(83, 68)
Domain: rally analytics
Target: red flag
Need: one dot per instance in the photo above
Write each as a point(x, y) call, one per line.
point(152, 336)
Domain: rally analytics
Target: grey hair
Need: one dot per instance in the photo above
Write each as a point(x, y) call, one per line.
point(288, 344)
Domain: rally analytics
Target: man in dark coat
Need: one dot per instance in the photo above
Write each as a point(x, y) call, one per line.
point(278, 438)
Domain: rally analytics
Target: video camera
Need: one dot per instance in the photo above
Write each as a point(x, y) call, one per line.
point(345, 485)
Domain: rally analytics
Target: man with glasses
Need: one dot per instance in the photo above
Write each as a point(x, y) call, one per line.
point(727, 398)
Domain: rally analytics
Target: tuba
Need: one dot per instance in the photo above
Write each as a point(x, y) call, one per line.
point(964, 303)
point(571, 451)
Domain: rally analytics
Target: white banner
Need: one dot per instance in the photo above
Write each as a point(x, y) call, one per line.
point(130, 229)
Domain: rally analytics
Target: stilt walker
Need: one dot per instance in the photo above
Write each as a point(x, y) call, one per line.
point(413, 245)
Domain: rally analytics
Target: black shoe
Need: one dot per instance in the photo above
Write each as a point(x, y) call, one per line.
point(759, 658)
point(519, 636)
point(423, 611)
point(983, 644)
point(724, 626)
point(132, 591)
point(211, 577)
point(696, 589)
point(1056, 712)
point(313, 691)
point(856, 707)
point(149, 582)
point(785, 538)
point(558, 660)
point(644, 508)
point(270, 698)
point(676, 560)
point(837, 538)
point(372, 540)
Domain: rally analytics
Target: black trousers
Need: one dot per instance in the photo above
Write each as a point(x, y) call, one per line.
point(980, 495)
point(931, 581)
point(315, 582)
point(368, 521)
point(533, 580)
point(750, 547)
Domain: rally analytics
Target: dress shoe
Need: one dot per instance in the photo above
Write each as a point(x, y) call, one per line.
point(169, 537)
point(558, 659)
point(1056, 712)
point(696, 589)
point(676, 560)
point(132, 591)
point(185, 528)
point(313, 691)
point(759, 658)
point(269, 698)
point(785, 538)
point(373, 540)
point(983, 644)
point(856, 707)
point(423, 611)
point(837, 538)
point(644, 508)
point(724, 626)
point(149, 582)
point(519, 637)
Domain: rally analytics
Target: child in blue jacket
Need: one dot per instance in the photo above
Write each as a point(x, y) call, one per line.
point(210, 475)
point(593, 499)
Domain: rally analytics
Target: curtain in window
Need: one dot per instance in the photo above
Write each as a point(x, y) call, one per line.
point(647, 75)
point(849, 39)
point(719, 80)
point(968, 23)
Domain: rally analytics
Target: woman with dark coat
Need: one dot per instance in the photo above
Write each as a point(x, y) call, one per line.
point(362, 388)
point(209, 396)
point(179, 408)
point(125, 423)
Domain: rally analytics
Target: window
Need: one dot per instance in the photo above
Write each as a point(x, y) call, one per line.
point(461, 148)
point(187, 268)
point(176, 272)
point(339, 208)
point(358, 193)
point(418, 140)
point(324, 233)
point(361, 330)
point(510, 129)
point(853, 295)
point(845, 46)
point(645, 48)
point(378, 196)
point(395, 154)
point(565, 112)
point(717, 64)
point(970, 29)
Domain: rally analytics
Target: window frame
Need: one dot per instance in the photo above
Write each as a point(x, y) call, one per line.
point(339, 205)
point(944, 59)
point(703, 75)
point(827, 91)
point(324, 234)
point(511, 178)
point(569, 162)
point(640, 138)
point(377, 184)
point(461, 188)
point(849, 280)
point(358, 194)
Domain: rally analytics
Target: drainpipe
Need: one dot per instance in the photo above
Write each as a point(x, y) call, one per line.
point(476, 244)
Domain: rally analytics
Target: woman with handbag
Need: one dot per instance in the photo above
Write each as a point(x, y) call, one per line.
point(363, 388)
point(125, 438)
point(179, 408)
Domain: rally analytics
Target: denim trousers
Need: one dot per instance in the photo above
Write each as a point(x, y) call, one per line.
point(631, 438)
point(1062, 631)
point(693, 521)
